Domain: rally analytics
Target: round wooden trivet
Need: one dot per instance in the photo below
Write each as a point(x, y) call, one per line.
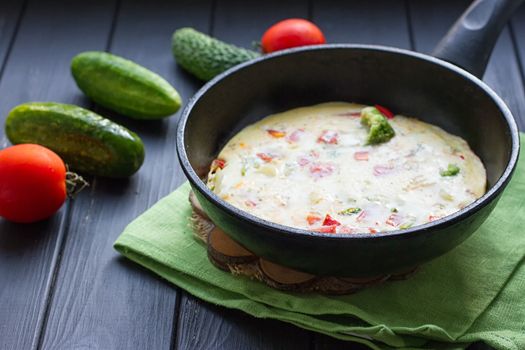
point(228, 255)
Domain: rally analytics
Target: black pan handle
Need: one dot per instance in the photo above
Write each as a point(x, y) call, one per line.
point(469, 43)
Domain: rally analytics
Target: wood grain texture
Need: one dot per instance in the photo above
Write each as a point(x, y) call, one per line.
point(63, 286)
point(431, 20)
point(203, 326)
point(101, 300)
point(38, 69)
point(381, 22)
point(518, 33)
point(244, 22)
point(11, 13)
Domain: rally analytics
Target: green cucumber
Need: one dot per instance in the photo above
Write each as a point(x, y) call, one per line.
point(204, 56)
point(124, 86)
point(87, 142)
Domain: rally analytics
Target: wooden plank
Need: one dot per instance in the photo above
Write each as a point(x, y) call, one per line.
point(431, 20)
point(381, 22)
point(243, 23)
point(11, 13)
point(203, 326)
point(38, 69)
point(102, 300)
point(518, 33)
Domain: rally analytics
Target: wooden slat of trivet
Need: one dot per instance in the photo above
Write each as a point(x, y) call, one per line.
point(228, 255)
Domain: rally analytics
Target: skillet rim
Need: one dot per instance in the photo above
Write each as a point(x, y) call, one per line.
point(296, 233)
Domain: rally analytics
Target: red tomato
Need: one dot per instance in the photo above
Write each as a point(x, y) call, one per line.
point(328, 221)
point(32, 183)
point(289, 33)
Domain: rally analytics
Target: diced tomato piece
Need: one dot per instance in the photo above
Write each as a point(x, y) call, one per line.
point(372, 230)
point(218, 164)
point(383, 170)
point(313, 218)
point(326, 229)
point(276, 133)
point(328, 221)
point(385, 111)
point(394, 220)
point(362, 215)
point(295, 136)
point(265, 156)
point(250, 203)
point(328, 137)
point(361, 155)
point(319, 170)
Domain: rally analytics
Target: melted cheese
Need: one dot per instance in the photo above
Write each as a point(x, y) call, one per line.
point(310, 168)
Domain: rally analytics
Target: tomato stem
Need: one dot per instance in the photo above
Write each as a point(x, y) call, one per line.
point(74, 184)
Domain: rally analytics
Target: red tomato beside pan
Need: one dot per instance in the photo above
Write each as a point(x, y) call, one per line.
point(444, 89)
point(290, 33)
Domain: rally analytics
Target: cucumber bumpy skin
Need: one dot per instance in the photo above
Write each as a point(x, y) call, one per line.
point(87, 142)
point(204, 56)
point(124, 86)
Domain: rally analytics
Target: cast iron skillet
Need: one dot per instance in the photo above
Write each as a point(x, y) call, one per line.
point(409, 83)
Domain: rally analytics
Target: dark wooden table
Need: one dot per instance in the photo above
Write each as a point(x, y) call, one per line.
point(62, 286)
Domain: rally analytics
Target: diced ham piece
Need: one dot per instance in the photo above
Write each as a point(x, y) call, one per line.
point(250, 204)
point(295, 136)
point(328, 137)
point(394, 220)
point(346, 229)
point(362, 215)
point(302, 161)
point(434, 217)
point(372, 230)
point(319, 170)
point(383, 170)
point(308, 158)
point(361, 155)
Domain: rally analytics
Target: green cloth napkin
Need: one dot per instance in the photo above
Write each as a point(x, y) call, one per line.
point(475, 292)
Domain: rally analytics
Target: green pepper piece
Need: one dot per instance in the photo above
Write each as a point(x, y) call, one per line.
point(349, 211)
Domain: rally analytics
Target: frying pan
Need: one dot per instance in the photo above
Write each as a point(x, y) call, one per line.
point(444, 89)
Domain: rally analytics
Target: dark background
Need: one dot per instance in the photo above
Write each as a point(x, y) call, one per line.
point(62, 286)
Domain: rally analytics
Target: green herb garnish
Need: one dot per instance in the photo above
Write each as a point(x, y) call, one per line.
point(408, 224)
point(452, 170)
point(349, 211)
